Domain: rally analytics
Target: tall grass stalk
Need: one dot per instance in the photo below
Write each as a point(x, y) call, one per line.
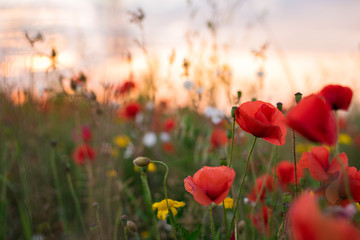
point(58, 190)
point(242, 183)
point(77, 203)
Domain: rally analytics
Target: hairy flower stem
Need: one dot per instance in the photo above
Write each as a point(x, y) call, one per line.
point(125, 234)
point(77, 203)
point(242, 183)
point(98, 221)
point(225, 220)
point(212, 222)
point(273, 197)
point(58, 190)
point(232, 142)
point(148, 200)
point(295, 168)
point(172, 220)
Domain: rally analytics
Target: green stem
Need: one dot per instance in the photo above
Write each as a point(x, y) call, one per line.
point(232, 142)
point(273, 191)
point(242, 183)
point(77, 203)
point(338, 132)
point(295, 167)
point(58, 190)
point(125, 234)
point(98, 221)
point(212, 222)
point(149, 202)
point(346, 177)
point(172, 220)
point(225, 220)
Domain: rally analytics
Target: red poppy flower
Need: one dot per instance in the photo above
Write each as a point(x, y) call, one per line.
point(86, 134)
point(262, 120)
point(168, 147)
point(261, 220)
point(169, 125)
point(308, 223)
point(124, 88)
point(218, 138)
point(337, 96)
point(317, 161)
point(354, 184)
point(130, 110)
point(313, 119)
point(260, 190)
point(82, 153)
point(285, 173)
point(210, 184)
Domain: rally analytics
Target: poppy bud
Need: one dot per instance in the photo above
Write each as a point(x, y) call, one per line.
point(286, 198)
point(253, 99)
point(298, 97)
point(239, 93)
point(131, 226)
point(95, 204)
point(241, 226)
point(279, 106)
point(141, 161)
point(233, 111)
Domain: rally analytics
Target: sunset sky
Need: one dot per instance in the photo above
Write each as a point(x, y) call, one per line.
point(310, 42)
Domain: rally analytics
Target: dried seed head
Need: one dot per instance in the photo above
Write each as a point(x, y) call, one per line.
point(124, 220)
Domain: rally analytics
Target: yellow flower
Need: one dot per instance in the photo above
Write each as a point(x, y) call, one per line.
point(163, 210)
point(122, 141)
point(111, 173)
point(114, 152)
point(151, 167)
point(302, 147)
point(357, 206)
point(345, 139)
point(229, 202)
point(145, 234)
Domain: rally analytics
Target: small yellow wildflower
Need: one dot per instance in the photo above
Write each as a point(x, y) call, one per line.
point(345, 139)
point(163, 210)
point(122, 141)
point(145, 234)
point(302, 147)
point(114, 152)
point(151, 167)
point(229, 202)
point(357, 206)
point(111, 173)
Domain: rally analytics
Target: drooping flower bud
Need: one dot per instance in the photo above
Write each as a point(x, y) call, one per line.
point(279, 106)
point(141, 161)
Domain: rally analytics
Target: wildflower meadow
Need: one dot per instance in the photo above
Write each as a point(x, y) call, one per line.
point(204, 159)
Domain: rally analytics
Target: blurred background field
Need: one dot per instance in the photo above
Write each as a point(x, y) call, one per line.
point(87, 87)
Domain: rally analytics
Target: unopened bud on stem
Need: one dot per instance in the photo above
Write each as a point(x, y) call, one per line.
point(141, 161)
point(298, 97)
